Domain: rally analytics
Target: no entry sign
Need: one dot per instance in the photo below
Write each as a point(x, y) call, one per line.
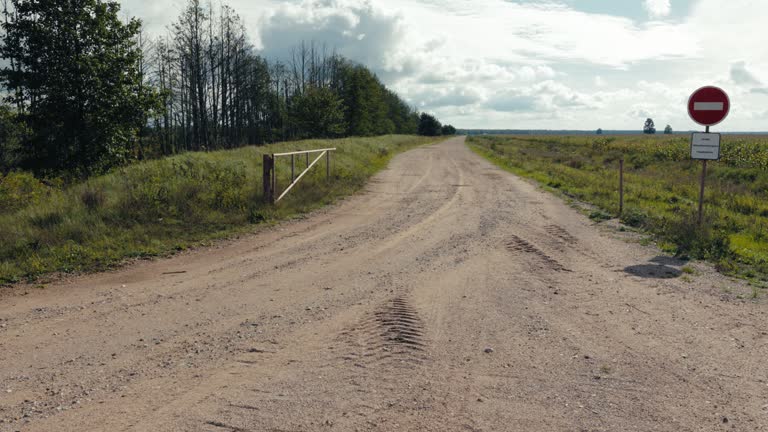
point(709, 106)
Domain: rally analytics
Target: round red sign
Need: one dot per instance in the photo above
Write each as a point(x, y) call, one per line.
point(709, 106)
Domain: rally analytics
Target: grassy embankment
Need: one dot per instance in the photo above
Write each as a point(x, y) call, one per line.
point(661, 189)
point(155, 208)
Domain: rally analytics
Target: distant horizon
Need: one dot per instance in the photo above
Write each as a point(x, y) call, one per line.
point(461, 131)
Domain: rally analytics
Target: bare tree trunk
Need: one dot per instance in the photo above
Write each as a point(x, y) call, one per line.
point(213, 66)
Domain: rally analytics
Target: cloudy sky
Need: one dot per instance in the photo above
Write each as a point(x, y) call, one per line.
point(532, 64)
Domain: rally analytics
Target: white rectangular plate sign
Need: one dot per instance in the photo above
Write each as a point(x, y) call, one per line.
point(705, 146)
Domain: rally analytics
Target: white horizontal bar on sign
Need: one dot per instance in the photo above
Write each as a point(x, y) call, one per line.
point(303, 152)
point(708, 106)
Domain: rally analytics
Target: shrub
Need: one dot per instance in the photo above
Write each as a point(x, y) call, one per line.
point(92, 197)
point(599, 216)
point(634, 217)
point(699, 241)
point(19, 190)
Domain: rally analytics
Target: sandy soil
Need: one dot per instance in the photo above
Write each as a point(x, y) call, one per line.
point(450, 296)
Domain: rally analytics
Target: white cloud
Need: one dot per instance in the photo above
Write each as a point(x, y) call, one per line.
point(542, 32)
point(356, 29)
point(657, 8)
point(437, 96)
point(513, 101)
point(599, 81)
point(740, 75)
point(536, 72)
point(533, 63)
point(545, 96)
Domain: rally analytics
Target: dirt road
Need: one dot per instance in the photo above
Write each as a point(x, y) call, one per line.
point(450, 296)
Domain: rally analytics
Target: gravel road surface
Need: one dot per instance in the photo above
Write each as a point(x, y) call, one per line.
point(448, 296)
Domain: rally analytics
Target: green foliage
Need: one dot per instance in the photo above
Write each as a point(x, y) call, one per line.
point(93, 197)
point(661, 188)
point(634, 218)
point(157, 207)
point(429, 125)
point(668, 130)
point(189, 188)
point(12, 132)
point(649, 127)
point(90, 94)
point(403, 117)
point(318, 113)
point(364, 99)
point(73, 71)
point(599, 216)
point(448, 130)
point(18, 189)
point(705, 241)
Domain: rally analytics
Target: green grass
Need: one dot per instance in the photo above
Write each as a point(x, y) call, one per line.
point(661, 188)
point(155, 208)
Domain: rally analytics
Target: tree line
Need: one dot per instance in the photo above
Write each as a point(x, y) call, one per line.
point(86, 91)
point(649, 128)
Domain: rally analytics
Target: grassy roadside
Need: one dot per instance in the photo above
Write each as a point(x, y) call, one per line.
point(155, 208)
point(661, 189)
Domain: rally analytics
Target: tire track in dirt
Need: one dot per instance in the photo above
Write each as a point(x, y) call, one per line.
point(517, 244)
point(392, 335)
point(430, 220)
point(561, 233)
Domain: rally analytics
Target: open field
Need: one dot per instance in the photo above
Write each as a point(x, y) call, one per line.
point(157, 207)
point(661, 188)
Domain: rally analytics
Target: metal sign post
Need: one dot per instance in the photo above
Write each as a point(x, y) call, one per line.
point(621, 187)
point(707, 106)
point(703, 150)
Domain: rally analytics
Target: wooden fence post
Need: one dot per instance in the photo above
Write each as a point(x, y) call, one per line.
point(268, 170)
